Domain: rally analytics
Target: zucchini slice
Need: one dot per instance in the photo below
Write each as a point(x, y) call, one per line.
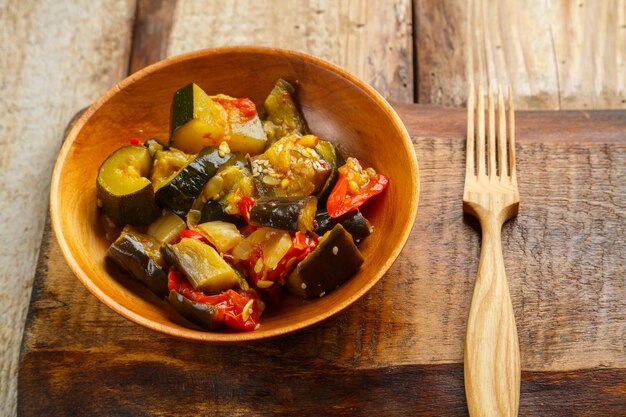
point(139, 255)
point(287, 213)
point(282, 115)
point(181, 190)
point(334, 261)
point(153, 145)
point(354, 223)
point(199, 313)
point(124, 191)
point(202, 265)
point(196, 120)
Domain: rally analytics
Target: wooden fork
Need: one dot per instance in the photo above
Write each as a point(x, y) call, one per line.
point(492, 361)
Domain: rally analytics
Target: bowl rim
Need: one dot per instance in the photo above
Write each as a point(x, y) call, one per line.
point(221, 337)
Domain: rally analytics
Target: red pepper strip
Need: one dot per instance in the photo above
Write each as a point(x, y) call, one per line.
point(192, 234)
point(134, 141)
point(245, 106)
point(245, 205)
point(340, 201)
point(230, 304)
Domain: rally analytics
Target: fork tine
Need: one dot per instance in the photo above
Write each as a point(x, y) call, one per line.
point(469, 150)
point(480, 132)
point(502, 156)
point(512, 136)
point(491, 136)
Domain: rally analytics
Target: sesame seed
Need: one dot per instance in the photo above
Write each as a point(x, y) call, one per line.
point(303, 286)
point(323, 293)
point(335, 250)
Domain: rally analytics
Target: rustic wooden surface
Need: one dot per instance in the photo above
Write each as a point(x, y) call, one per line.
point(60, 56)
point(399, 350)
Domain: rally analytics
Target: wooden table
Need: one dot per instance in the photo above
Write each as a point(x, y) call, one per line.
point(565, 255)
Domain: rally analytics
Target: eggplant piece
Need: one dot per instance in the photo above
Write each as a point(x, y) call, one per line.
point(335, 259)
point(354, 223)
point(331, 155)
point(167, 164)
point(199, 313)
point(201, 264)
point(214, 211)
point(124, 191)
point(287, 213)
point(282, 115)
point(180, 192)
point(139, 255)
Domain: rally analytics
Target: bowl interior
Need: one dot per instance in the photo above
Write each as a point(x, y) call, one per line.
point(337, 107)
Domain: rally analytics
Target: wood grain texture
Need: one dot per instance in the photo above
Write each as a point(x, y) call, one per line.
point(564, 254)
point(555, 54)
point(152, 28)
point(47, 72)
point(371, 39)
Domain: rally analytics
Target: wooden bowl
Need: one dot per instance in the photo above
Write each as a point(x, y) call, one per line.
point(338, 107)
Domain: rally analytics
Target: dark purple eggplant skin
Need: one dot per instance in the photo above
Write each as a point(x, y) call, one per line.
point(130, 253)
point(199, 313)
point(354, 223)
point(282, 212)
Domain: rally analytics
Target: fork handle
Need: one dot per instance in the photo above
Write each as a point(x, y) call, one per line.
point(492, 360)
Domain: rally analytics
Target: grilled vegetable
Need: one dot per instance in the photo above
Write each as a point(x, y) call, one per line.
point(287, 213)
point(245, 131)
point(224, 236)
point(202, 265)
point(290, 167)
point(124, 191)
point(182, 189)
point(167, 227)
point(167, 163)
point(196, 120)
point(354, 187)
point(153, 145)
point(334, 159)
point(214, 210)
point(282, 115)
point(335, 259)
point(200, 313)
point(354, 223)
point(139, 255)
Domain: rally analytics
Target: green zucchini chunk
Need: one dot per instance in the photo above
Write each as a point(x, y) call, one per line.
point(282, 115)
point(199, 313)
point(202, 265)
point(139, 255)
point(354, 223)
point(334, 261)
point(181, 190)
point(330, 154)
point(287, 213)
point(124, 191)
point(153, 145)
point(196, 120)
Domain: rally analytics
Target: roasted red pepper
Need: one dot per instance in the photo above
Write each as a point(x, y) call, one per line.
point(354, 187)
point(239, 310)
point(245, 106)
point(192, 234)
point(245, 205)
point(135, 141)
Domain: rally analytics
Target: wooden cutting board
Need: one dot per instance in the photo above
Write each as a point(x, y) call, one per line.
point(398, 351)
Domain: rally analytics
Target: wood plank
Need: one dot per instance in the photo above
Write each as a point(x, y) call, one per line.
point(565, 261)
point(556, 55)
point(371, 39)
point(153, 25)
point(47, 72)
